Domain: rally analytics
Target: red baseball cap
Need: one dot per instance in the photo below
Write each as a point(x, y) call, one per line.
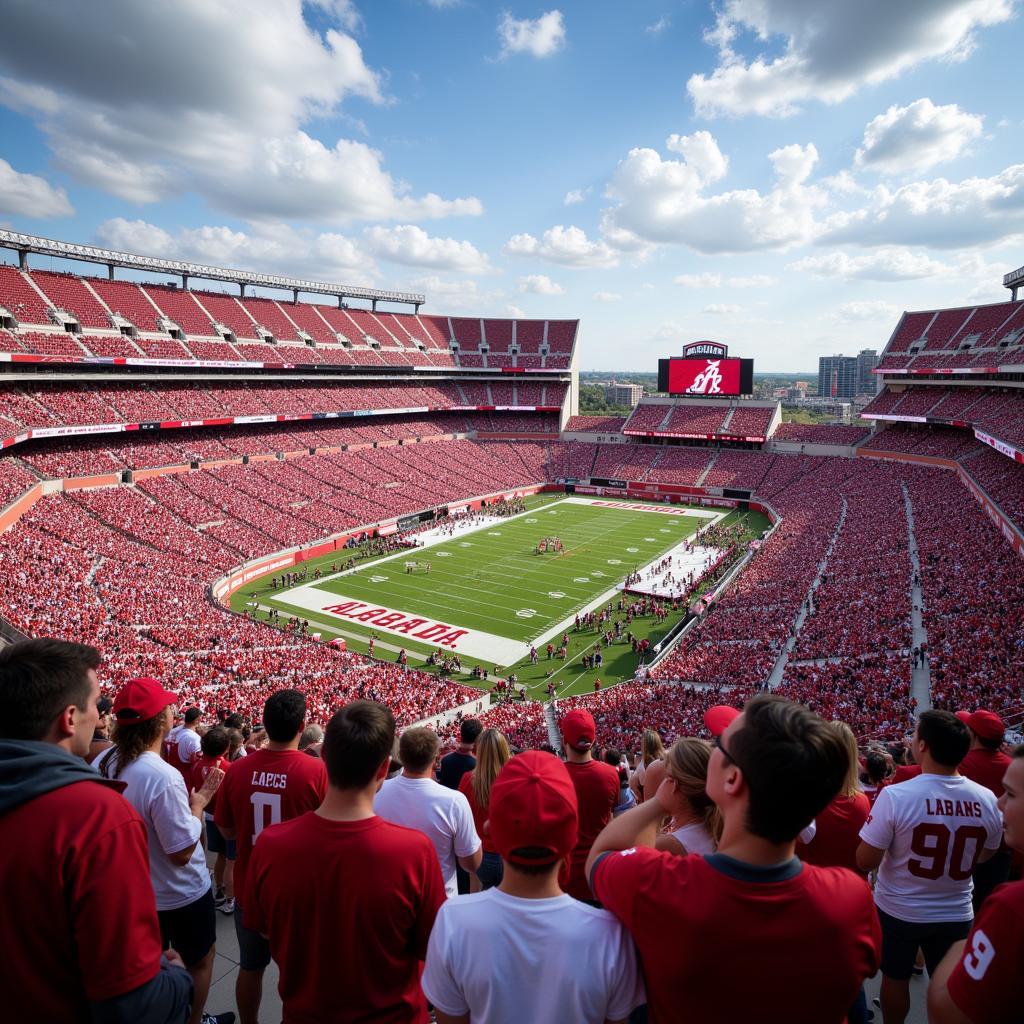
point(140, 699)
point(718, 718)
point(533, 804)
point(579, 729)
point(986, 724)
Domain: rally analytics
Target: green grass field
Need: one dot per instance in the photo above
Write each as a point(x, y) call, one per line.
point(492, 584)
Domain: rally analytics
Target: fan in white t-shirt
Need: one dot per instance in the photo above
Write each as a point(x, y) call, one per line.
point(527, 951)
point(443, 815)
point(925, 836)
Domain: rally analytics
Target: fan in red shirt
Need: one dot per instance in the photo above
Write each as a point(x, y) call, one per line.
point(349, 926)
point(271, 785)
point(837, 827)
point(980, 981)
point(597, 794)
point(986, 764)
point(83, 940)
point(214, 748)
point(806, 936)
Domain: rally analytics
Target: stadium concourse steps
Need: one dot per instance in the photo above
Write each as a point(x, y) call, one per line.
point(64, 318)
point(996, 415)
point(105, 566)
point(32, 411)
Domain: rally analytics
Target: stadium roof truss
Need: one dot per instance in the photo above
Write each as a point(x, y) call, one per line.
point(25, 244)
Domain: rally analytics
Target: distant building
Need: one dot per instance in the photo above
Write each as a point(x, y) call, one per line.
point(623, 394)
point(846, 376)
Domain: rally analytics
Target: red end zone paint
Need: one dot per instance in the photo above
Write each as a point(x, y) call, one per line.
point(420, 629)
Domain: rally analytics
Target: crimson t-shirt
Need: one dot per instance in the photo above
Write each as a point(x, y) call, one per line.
point(263, 789)
point(597, 794)
point(838, 833)
point(84, 927)
point(985, 767)
point(198, 771)
point(480, 814)
point(348, 907)
point(722, 940)
point(987, 984)
point(904, 773)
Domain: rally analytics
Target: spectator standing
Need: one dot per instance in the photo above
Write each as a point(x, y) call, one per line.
point(560, 960)
point(475, 786)
point(651, 749)
point(807, 937)
point(597, 795)
point(86, 946)
point(270, 785)
point(986, 764)
point(461, 760)
point(696, 823)
point(837, 827)
point(415, 800)
point(101, 734)
point(214, 754)
point(980, 981)
point(925, 836)
point(144, 712)
point(182, 745)
point(349, 926)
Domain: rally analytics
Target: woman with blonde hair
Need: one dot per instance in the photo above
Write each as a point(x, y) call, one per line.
point(696, 824)
point(651, 749)
point(492, 752)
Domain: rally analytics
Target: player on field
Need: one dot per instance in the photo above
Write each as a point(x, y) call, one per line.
point(803, 937)
point(79, 929)
point(347, 898)
point(980, 980)
point(925, 836)
point(526, 951)
point(271, 785)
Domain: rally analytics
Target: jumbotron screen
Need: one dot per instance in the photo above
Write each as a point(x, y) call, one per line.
point(707, 377)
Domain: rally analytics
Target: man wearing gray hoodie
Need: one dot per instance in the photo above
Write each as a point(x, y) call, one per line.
point(80, 933)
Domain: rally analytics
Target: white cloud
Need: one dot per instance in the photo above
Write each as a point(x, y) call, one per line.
point(270, 248)
point(665, 201)
point(232, 130)
point(706, 280)
point(540, 284)
point(916, 137)
point(659, 26)
point(576, 195)
point(28, 195)
point(870, 309)
point(344, 12)
point(539, 37)
point(752, 281)
point(722, 309)
point(830, 48)
point(413, 247)
point(515, 311)
point(607, 297)
point(938, 213)
point(568, 246)
point(886, 264)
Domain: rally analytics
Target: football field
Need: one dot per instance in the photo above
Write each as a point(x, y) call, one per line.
point(488, 594)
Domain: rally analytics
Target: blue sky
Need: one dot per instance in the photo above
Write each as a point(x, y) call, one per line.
point(782, 175)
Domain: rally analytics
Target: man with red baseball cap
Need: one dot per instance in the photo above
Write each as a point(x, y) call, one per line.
point(986, 764)
point(807, 936)
point(597, 795)
point(559, 959)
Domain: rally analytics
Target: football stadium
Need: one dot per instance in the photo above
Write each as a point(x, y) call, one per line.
point(292, 558)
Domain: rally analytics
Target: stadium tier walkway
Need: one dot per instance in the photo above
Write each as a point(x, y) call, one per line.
point(777, 672)
point(921, 677)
